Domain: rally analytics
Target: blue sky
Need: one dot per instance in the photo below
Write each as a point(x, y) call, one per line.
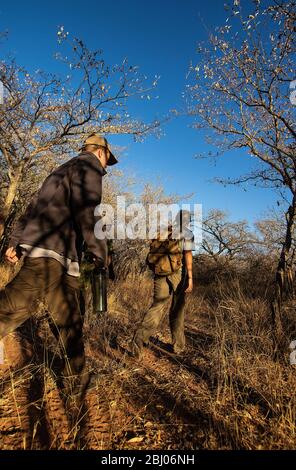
point(160, 36)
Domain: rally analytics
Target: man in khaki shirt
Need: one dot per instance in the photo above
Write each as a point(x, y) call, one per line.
point(172, 287)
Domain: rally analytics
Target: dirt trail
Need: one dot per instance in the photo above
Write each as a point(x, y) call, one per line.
point(128, 404)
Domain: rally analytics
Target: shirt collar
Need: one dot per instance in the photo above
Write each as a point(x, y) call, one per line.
point(92, 155)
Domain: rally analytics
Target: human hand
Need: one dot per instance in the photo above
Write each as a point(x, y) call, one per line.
point(11, 255)
point(190, 286)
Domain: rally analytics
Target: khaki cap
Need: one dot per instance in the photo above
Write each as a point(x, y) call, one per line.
point(95, 139)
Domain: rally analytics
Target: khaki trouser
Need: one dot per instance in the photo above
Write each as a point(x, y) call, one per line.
point(46, 279)
point(165, 288)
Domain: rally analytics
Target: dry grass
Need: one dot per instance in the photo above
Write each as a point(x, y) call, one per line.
point(5, 274)
point(226, 392)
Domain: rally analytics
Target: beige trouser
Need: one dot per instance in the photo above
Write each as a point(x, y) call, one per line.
point(166, 288)
point(46, 278)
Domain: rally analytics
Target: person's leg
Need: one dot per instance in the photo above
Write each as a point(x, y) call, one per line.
point(18, 301)
point(176, 314)
point(154, 315)
point(18, 298)
point(66, 319)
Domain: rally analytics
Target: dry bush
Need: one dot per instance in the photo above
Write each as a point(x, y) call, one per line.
point(252, 393)
point(6, 273)
point(243, 400)
point(226, 392)
point(255, 274)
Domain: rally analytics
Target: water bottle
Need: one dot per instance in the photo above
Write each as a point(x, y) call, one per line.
point(99, 290)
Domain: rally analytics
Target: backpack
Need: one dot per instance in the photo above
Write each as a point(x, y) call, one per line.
point(165, 256)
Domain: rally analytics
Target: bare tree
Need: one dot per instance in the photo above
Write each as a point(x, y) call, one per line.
point(225, 240)
point(241, 94)
point(44, 117)
point(271, 234)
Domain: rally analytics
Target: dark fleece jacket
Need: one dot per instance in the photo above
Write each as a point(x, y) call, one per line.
point(61, 214)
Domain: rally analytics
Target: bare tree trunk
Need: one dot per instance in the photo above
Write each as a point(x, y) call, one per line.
point(5, 229)
point(2, 225)
point(284, 277)
point(8, 211)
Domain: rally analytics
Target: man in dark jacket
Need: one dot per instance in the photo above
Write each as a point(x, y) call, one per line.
point(50, 235)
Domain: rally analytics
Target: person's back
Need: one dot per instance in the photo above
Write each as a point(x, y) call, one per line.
point(61, 215)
